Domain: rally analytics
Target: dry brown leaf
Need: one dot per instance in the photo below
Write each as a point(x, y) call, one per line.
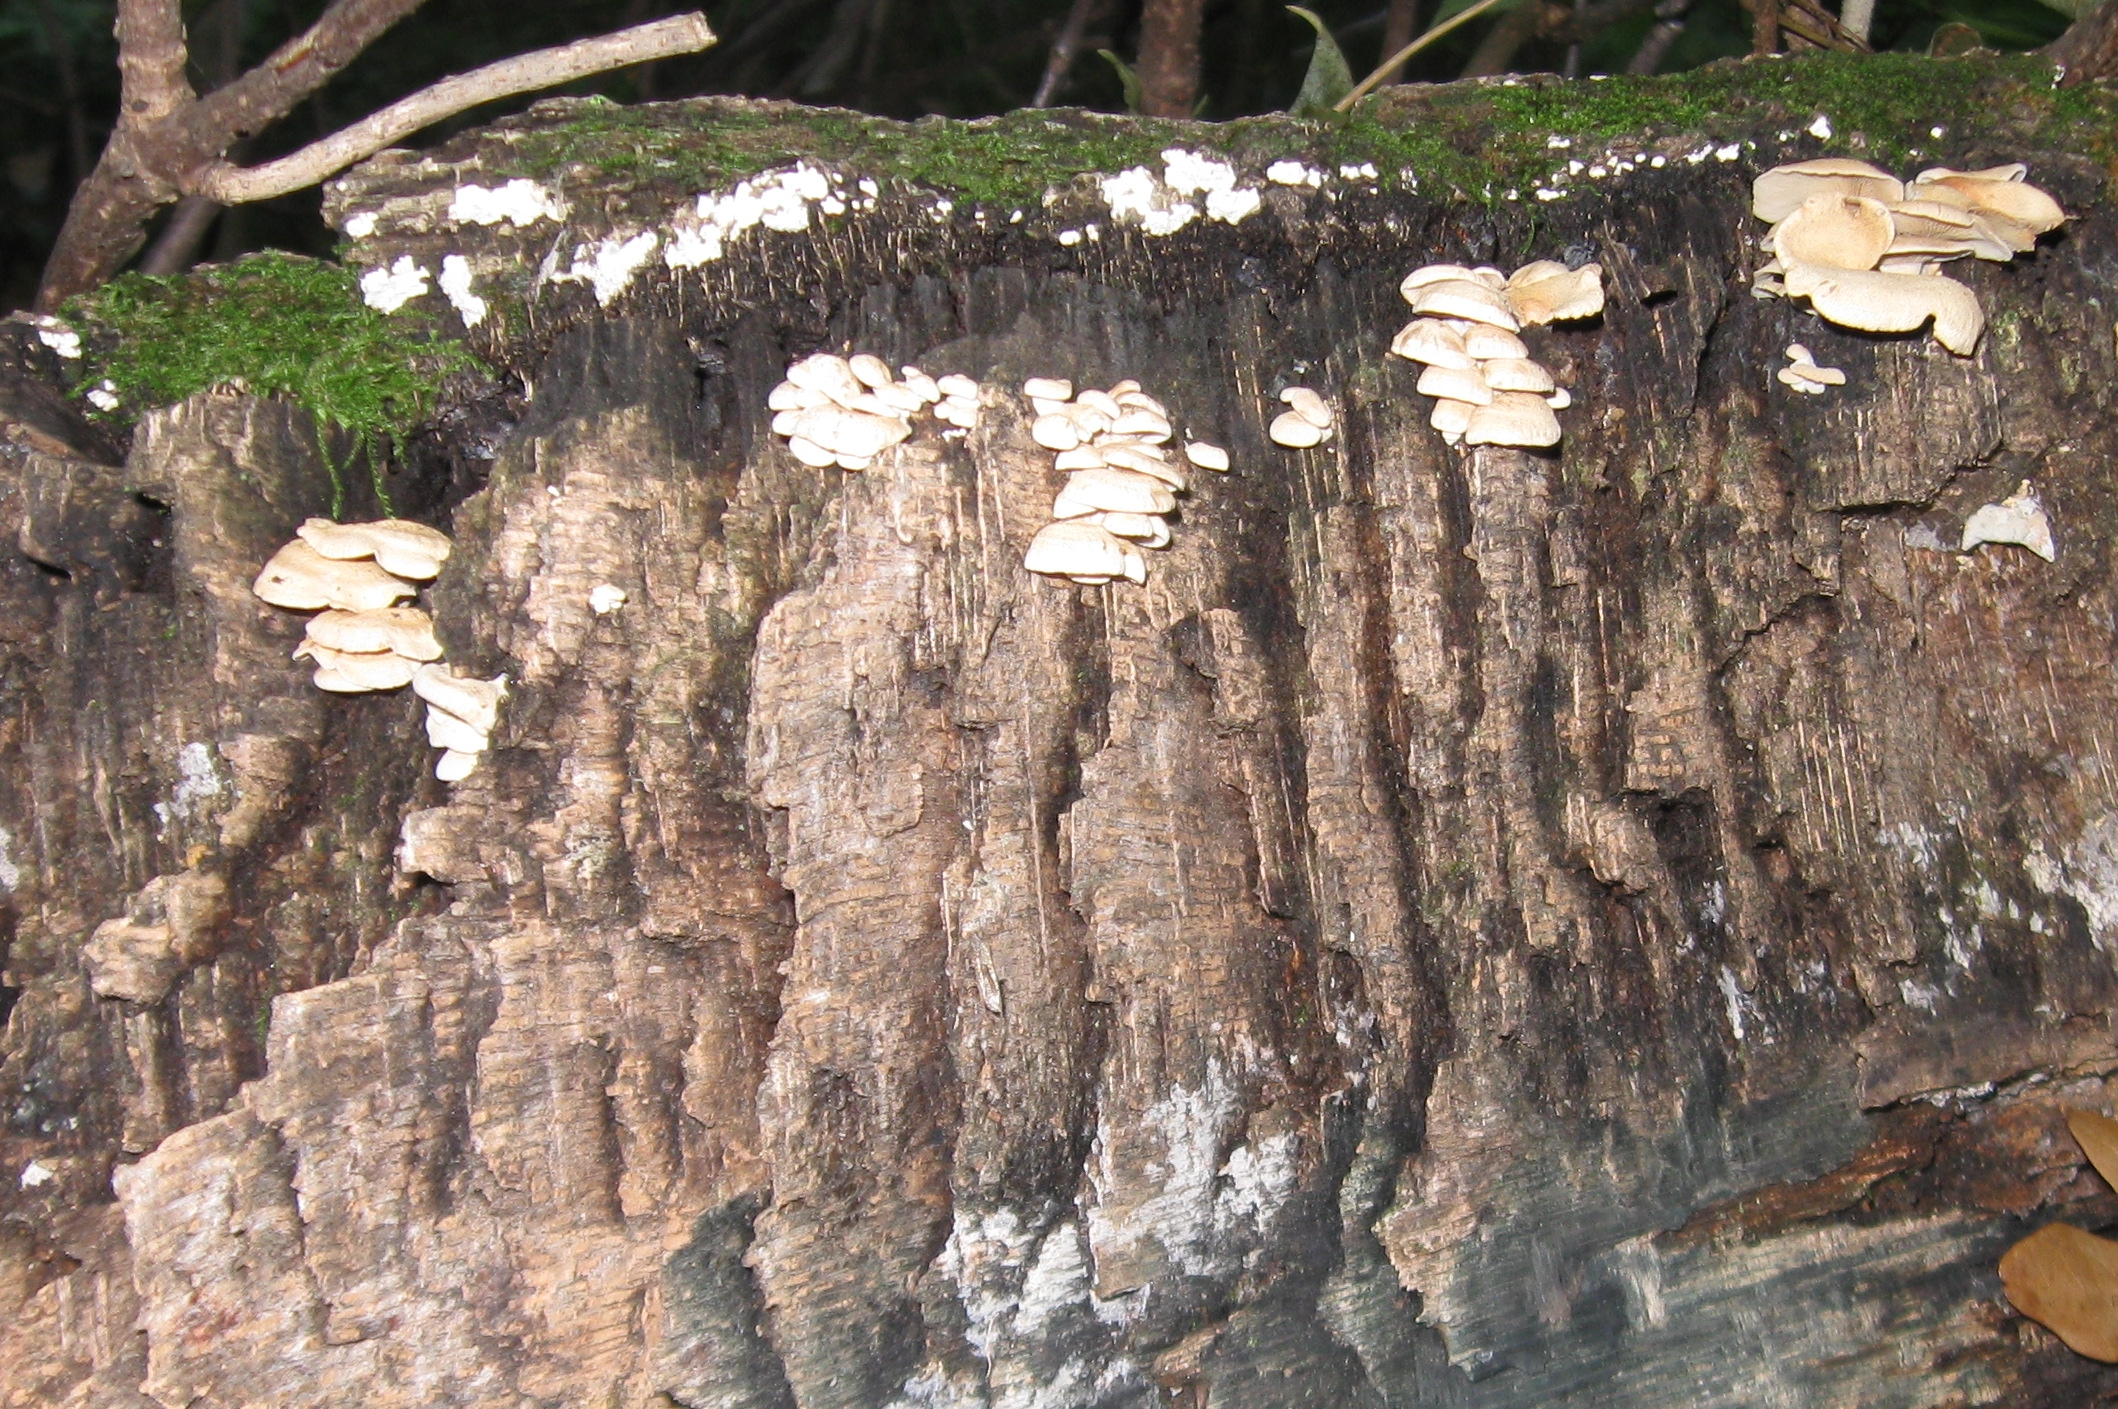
point(2067, 1281)
point(2098, 1137)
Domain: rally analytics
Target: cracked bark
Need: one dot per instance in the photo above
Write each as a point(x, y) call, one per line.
point(1478, 929)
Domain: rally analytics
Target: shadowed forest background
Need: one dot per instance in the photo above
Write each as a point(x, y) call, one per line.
point(956, 58)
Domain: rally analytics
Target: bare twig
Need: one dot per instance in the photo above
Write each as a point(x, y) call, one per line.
point(174, 249)
point(1065, 49)
point(1169, 57)
point(525, 73)
point(1368, 85)
point(151, 59)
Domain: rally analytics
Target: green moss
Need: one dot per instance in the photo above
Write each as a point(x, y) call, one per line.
point(282, 326)
point(1472, 138)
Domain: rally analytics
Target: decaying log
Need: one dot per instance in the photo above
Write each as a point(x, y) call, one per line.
point(1478, 928)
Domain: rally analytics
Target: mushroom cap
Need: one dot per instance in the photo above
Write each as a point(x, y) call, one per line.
point(1056, 431)
point(1537, 271)
point(1102, 401)
point(1138, 420)
point(1309, 406)
point(302, 579)
point(1456, 384)
point(901, 399)
point(1915, 233)
point(1206, 457)
point(1557, 298)
point(927, 389)
point(1081, 457)
point(957, 385)
point(1513, 418)
point(1050, 388)
point(446, 731)
point(789, 397)
point(810, 453)
point(1150, 529)
point(1943, 211)
point(1139, 400)
point(356, 672)
point(454, 766)
point(1292, 429)
point(1076, 548)
point(2009, 197)
point(400, 546)
point(1146, 460)
point(861, 434)
point(1112, 492)
point(1834, 230)
point(476, 702)
point(1559, 398)
point(406, 630)
point(1517, 374)
point(1465, 298)
point(825, 372)
point(1433, 342)
point(869, 370)
point(1876, 302)
point(1433, 274)
point(1776, 193)
point(1486, 343)
point(1451, 417)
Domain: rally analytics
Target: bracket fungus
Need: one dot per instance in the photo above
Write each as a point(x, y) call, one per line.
point(461, 713)
point(845, 411)
point(398, 546)
point(1803, 375)
point(301, 579)
point(1487, 389)
point(1308, 419)
point(1867, 250)
point(1121, 482)
point(2018, 519)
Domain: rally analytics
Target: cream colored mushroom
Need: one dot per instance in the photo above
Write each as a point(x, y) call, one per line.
point(454, 767)
point(869, 370)
point(1875, 302)
point(2018, 519)
point(1452, 418)
point(1993, 190)
point(1776, 193)
point(1563, 297)
point(927, 389)
point(1206, 457)
point(1468, 299)
point(1137, 420)
point(408, 631)
point(1455, 384)
point(1072, 548)
point(1150, 530)
point(856, 434)
point(446, 731)
point(1427, 274)
point(1146, 460)
point(1292, 429)
point(476, 702)
point(302, 579)
point(1513, 418)
point(356, 672)
point(827, 373)
point(1559, 399)
point(1433, 342)
point(810, 453)
point(1055, 432)
point(1050, 388)
point(1309, 406)
point(1112, 491)
point(1836, 231)
point(1487, 343)
point(410, 550)
point(1516, 374)
point(1103, 402)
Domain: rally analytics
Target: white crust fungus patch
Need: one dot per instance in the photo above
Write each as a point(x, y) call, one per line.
point(777, 200)
point(1160, 205)
point(2018, 519)
point(59, 338)
point(456, 287)
point(608, 266)
point(391, 289)
point(520, 203)
point(360, 226)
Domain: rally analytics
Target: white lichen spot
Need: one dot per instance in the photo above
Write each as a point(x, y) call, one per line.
point(610, 265)
point(1136, 197)
point(104, 395)
point(605, 598)
point(1729, 152)
point(520, 203)
point(1546, 193)
point(59, 338)
point(1658, 161)
point(456, 285)
point(392, 288)
point(1740, 1004)
point(10, 872)
point(199, 784)
point(1821, 128)
point(1233, 207)
point(2088, 873)
point(35, 1175)
point(360, 225)
point(1915, 994)
point(1557, 143)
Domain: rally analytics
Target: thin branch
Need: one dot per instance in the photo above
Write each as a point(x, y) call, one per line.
point(294, 70)
point(151, 60)
point(1765, 29)
point(178, 245)
point(1497, 50)
point(1168, 61)
point(1065, 49)
point(525, 73)
point(1669, 25)
point(1368, 85)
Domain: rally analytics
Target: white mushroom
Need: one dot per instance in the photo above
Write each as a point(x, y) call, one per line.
point(454, 767)
point(1513, 418)
point(1151, 530)
point(446, 731)
point(869, 370)
point(1455, 384)
point(408, 631)
point(302, 579)
point(1206, 457)
point(410, 550)
point(2018, 519)
point(1516, 374)
point(1835, 231)
point(1452, 418)
point(1112, 491)
point(1434, 274)
point(1433, 342)
point(1547, 292)
point(1876, 302)
point(1291, 428)
point(1776, 193)
point(476, 702)
point(1309, 406)
point(1486, 343)
point(1049, 388)
point(1466, 298)
point(829, 374)
point(356, 672)
point(1056, 432)
point(1147, 460)
point(1072, 548)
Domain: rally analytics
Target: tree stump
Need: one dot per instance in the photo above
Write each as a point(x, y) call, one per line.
point(1617, 926)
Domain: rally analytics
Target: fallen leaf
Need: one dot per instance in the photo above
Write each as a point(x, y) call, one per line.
point(2067, 1281)
point(2098, 1137)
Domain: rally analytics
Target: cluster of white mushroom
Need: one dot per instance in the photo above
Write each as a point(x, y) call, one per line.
point(1803, 375)
point(1487, 389)
point(845, 411)
point(1308, 420)
point(1121, 484)
point(353, 575)
point(1867, 249)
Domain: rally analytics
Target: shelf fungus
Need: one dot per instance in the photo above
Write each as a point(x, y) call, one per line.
point(1307, 421)
point(1487, 389)
point(1803, 375)
point(2018, 519)
point(1867, 249)
point(845, 411)
point(461, 714)
point(1121, 480)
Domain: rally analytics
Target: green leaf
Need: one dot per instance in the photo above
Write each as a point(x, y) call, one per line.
point(1328, 79)
point(1128, 78)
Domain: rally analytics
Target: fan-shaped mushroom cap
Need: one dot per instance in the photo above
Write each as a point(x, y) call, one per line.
point(899, 399)
point(925, 387)
point(446, 731)
point(1915, 233)
point(356, 672)
point(823, 371)
point(1207, 457)
point(1836, 231)
point(1433, 274)
point(1559, 398)
point(1081, 457)
point(2018, 519)
point(1517, 374)
point(1451, 417)
point(454, 767)
point(809, 452)
point(2010, 197)
point(1513, 418)
point(1150, 529)
point(1309, 406)
point(1433, 342)
point(1486, 343)
point(1920, 208)
point(302, 579)
point(1291, 429)
point(1775, 194)
point(1112, 492)
point(869, 370)
point(856, 433)
point(406, 630)
point(1056, 431)
point(1556, 298)
point(1146, 460)
point(1050, 388)
point(1102, 402)
point(398, 545)
point(1455, 384)
point(476, 702)
point(1074, 548)
point(1465, 298)
point(1138, 420)
point(958, 385)
point(1139, 400)
point(1876, 302)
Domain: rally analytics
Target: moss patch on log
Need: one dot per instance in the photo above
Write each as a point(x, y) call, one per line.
point(1470, 138)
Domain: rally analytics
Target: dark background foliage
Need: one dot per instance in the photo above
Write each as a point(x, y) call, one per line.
point(903, 58)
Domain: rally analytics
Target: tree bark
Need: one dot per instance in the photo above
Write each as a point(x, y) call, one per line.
point(1615, 927)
